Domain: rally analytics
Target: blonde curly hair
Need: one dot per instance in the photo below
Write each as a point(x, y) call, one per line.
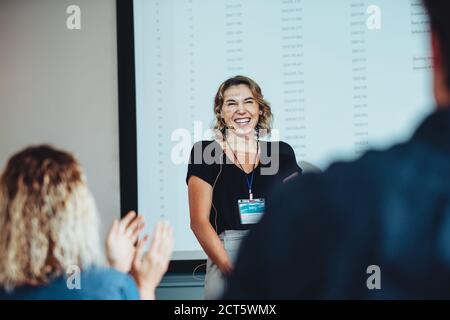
point(266, 117)
point(48, 218)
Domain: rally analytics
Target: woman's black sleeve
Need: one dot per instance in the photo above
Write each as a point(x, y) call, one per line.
point(197, 166)
point(290, 165)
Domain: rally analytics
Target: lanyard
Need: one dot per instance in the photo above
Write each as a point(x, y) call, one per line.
point(249, 181)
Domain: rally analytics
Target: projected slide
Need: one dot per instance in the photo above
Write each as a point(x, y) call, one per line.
point(342, 76)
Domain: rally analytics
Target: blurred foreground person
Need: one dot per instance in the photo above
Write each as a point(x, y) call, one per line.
point(378, 227)
point(49, 239)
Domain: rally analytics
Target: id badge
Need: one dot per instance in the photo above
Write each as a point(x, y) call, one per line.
point(251, 210)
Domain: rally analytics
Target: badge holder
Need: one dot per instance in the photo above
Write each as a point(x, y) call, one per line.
point(251, 210)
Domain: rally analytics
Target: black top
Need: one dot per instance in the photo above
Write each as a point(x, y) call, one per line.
point(277, 165)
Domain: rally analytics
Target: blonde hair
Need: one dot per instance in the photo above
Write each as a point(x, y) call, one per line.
point(48, 218)
point(266, 116)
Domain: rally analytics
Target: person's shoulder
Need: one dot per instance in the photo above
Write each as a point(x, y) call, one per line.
point(281, 147)
point(200, 147)
point(93, 283)
point(374, 164)
point(103, 272)
point(338, 187)
point(202, 144)
point(349, 187)
point(284, 144)
point(99, 274)
point(108, 283)
point(205, 152)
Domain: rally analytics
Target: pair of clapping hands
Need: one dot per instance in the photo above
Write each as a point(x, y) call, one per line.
point(125, 252)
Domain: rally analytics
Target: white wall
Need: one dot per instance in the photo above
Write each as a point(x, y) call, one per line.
point(60, 87)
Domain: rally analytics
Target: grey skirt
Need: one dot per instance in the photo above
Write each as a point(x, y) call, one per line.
point(215, 280)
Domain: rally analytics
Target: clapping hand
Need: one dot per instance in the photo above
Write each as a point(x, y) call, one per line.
point(121, 240)
point(148, 268)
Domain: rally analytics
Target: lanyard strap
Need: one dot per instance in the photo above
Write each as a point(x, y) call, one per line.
point(249, 181)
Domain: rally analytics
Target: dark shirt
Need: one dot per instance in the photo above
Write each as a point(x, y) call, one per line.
point(207, 159)
point(96, 283)
point(389, 208)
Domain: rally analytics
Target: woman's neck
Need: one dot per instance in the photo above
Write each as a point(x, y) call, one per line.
point(240, 143)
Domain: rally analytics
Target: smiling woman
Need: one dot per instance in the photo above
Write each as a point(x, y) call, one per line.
point(228, 178)
point(227, 101)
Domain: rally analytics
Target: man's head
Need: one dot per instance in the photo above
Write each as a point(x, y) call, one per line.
point(439, 12)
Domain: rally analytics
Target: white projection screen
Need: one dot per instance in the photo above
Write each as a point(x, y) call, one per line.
point(342, 76)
